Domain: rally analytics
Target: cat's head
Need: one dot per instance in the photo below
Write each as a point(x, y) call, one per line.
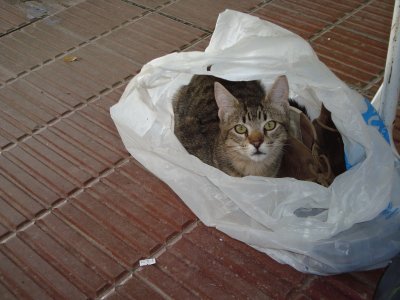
point(254, 133)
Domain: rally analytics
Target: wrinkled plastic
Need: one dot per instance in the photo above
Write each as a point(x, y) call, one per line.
point(351, 225)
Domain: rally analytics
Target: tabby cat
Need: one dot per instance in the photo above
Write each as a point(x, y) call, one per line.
point(233, 125)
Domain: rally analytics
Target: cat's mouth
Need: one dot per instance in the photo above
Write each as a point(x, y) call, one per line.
point(258, 152)
point(258, 156)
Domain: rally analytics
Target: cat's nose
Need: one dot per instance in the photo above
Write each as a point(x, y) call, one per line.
point(257, 144)
point(256, 139)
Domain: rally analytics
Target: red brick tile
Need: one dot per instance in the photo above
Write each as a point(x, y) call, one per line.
point(53, 88)
point(5, 74)
point(138, 174)
point(78, 245)
point(150, 3)
point(368, 24)
point(13, 52)
point(134, 288)
point(17, 119)
point(38, 98)
point(4, 140)
point(50, 44)
point(267, 279)
point(351, 41)
point(85, 143)
point(199, 46)
point(281, 271)
point(18, 199)
point(56, 36)
point(6, 294)
point(322, 10)
point(212, 268)
point(12, 129)
point(9, 69)
point(21, 285)
point(330, 46)
point(118, 8)
point(49, 279)
point(149, 37)
point(358, 64)
point(299, 296)
point(103, 236)
point(109, 99)
point(127, 209)
point(11, 16)
point(63, 261)
point(347, 73)
point(74, 173)
point(9, 216)
point(108, 139)
point(165, 283)
point(41, 171)
point(150, 201)
point(112, 19)
point(94, 63)
point(77, 84)
point(291, 20)
point(42, 51)
point(206, 12)
point(78, 27)
point(27, 187)
point(69, 151)
point(322, 288)
point(382, 9)
point(97, 23)
point(192, 278)
point(336, 9)
point(19, 103)
point(351, 286)
point(101, 58)
point(126, 230)
point(3, 229)
point(99, 117)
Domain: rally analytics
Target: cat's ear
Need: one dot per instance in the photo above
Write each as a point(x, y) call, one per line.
point(279, 94)
point(226, 102)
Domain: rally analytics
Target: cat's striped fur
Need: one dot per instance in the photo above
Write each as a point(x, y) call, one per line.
point(228, 124)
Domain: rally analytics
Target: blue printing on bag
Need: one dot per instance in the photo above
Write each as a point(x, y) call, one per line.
point(372, 118)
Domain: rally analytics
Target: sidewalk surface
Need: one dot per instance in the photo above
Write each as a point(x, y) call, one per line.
point(77, 213)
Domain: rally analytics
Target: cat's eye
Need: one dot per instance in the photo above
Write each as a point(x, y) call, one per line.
point(270, 125)
point(241, 129)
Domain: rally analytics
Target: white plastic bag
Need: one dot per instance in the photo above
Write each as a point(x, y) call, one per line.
point(352, 225)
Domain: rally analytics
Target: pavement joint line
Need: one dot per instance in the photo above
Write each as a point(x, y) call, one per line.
point(161, 6)
point(90, 40)
point(162, 249)
point(374, 81)
point(36, 19)
point(153, 287)
point(63, 201)
point(303, 286)
point(65, 115)
point(339, 21)
point(209, 33)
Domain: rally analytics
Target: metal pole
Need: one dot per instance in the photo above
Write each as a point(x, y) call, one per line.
point(387, 97)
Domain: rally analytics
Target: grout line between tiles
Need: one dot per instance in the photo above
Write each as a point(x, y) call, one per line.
point(32, 69)
point(65, 115)
point(374, 81)
point(169, 243)
point(65, 200)
point(339, 21)
point(34, 20)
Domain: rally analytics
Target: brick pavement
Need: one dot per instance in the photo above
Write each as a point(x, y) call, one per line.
point(77, 213)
